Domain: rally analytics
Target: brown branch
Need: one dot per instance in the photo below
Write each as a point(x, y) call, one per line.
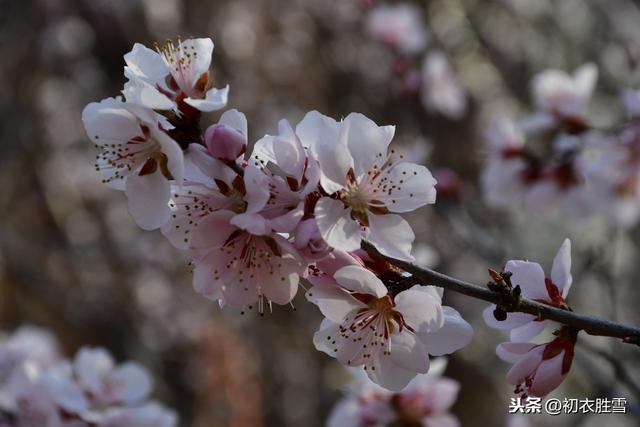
point(590, 324)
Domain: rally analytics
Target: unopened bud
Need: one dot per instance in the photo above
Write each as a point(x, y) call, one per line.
point(224, 142)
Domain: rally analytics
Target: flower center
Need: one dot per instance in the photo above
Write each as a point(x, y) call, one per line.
point(179, 58)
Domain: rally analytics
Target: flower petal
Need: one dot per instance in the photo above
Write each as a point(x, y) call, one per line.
point(367, 142)
point(561, 269)
point(148, 199)
point(108, 122)
point(548, 376)
point(360, 280)
point(333, 302)
point(527, 331)
point(513, 320)
point(420, 310)
point(391, 235)
point(129, 383)
point(530, 277)
point(215, 99)
point(336, 226)
point(513, 351)
point(324, 338)
point(414, 187)
point(282, 286)
point(454, 334)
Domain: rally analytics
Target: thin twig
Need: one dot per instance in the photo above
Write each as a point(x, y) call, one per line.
point(590, 324)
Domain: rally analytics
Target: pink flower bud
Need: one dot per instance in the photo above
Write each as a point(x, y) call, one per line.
point(224, 142)
point(309, 241)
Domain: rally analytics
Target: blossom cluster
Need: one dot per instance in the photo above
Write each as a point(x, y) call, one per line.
point(555, 160)
point(39, 388)
point(538, 367)
point(426, 401)
point(296, 206)
point(401, 28)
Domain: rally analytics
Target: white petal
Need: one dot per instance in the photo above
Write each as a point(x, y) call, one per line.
point(283, 285)
point(390, 375)
point(415, 187)
point(199, 64)
point(512, 351)
point(236, 120)
point(360, 280)
point(391, 235)
point(147, 63)
point(175, 156)
point(148, 199)
point(335, 160)
point(527, 331)
point(420, 310)
point(140, 92)
point(454, 334)
point(263, 152)
point(90, 365)
point(525, 365)
point(208, 283)
point(530, 277)
point(561, 269)
point(129, 383)
point(108, 122)
point(333, 302)
point(257, 185)
point(324, 339)
point(289, 153)
point(287, 222)
point(513, 320)
point(584, 79)
point(315, 126)
point(61, 386)
point(408, 352)
point(254, 223)
point(215, 99)
point(336, 226)
point(367, 142)
point(213, 231)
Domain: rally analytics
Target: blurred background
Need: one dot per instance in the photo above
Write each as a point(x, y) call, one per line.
point(73, 261)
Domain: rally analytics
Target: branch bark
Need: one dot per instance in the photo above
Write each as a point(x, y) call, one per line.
point(590, 324)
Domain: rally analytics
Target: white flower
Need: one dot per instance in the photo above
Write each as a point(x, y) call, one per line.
point(176, 73)
point(399, 26)
point(210, 185)
point(138, 156)
point(390, 335)
point(239, 268)
point(45, 391)
point(441, 90)
point(611, 169)
point(106, 383)
point(562, 97)
point(507, 171)
point(534, 285)
point(364, 183)
point(424, 402)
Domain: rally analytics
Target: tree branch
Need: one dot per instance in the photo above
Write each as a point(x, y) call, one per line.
point(590, 324)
